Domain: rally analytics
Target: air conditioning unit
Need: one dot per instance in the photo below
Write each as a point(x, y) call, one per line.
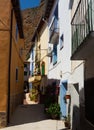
point(50, 49)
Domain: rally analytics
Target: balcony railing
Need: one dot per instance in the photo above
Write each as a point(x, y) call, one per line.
point(82, 23)
point(54, 31)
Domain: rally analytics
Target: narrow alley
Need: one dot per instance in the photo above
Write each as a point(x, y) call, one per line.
point(33, 117)
point(46, 64)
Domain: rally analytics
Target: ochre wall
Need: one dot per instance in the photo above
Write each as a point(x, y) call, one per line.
point(4, 51)
point(16, 87)
point(5, 7)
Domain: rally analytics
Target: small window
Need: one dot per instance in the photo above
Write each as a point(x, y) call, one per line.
point(25, 73)
point(25, 65)
point(61, 41)
point(16, 74)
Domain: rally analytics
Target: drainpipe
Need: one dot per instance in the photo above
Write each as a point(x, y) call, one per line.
point(9, 68)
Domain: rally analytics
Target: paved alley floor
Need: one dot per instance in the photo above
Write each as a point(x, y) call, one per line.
point(40, 125)
point(32, 117)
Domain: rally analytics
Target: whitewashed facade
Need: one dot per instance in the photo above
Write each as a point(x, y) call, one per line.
point(65, 69)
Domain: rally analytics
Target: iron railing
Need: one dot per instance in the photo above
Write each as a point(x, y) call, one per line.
point(82, 23)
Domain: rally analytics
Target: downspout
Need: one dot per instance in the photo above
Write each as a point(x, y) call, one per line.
point(9, 67)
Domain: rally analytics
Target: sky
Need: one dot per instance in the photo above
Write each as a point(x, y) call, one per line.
point(28, 3)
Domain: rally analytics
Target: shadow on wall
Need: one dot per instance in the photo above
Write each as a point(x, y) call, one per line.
point(51, 92)
point(79, 121)
point(73, 106)
point(76, 119)
point(84, 124)
point(71, 4)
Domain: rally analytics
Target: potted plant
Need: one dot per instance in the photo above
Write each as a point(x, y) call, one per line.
point(54, 110)
point(67, 96)
point(67, 121)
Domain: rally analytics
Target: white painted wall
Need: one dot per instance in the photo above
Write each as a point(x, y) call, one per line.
point(77, 76)
point(63, 63)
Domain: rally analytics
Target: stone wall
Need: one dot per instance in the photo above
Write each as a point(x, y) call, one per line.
point(3, 119)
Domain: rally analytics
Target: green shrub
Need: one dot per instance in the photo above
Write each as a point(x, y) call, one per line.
point(54, 110)
point(33, 95)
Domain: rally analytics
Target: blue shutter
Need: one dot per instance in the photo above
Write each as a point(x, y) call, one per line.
point(56, 12)
point(32, 54)
point(32, 69)
point(55, 54)
point(63, 90)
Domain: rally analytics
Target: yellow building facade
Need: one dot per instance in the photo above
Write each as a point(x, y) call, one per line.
point(12, 59)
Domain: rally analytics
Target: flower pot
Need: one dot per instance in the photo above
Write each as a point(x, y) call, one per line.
point(67, 96)
point(67, 124)
point(53, 116)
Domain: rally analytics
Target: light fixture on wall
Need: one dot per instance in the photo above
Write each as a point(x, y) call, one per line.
point(44, 19)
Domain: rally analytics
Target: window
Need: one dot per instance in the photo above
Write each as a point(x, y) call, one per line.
point(32, 54)
point(25, 65)
point(54, 54)
point(16, 34)
point(25, 73)
point(16, 74)
point(61, 41)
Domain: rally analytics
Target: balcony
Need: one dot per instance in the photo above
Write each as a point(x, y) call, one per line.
point(83, 30)
point(34, 78)
point(54, 31)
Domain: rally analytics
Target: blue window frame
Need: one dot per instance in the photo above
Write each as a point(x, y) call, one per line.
point(54, 54)
point(32, 54)
point(32, 71)
point(56, 12)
